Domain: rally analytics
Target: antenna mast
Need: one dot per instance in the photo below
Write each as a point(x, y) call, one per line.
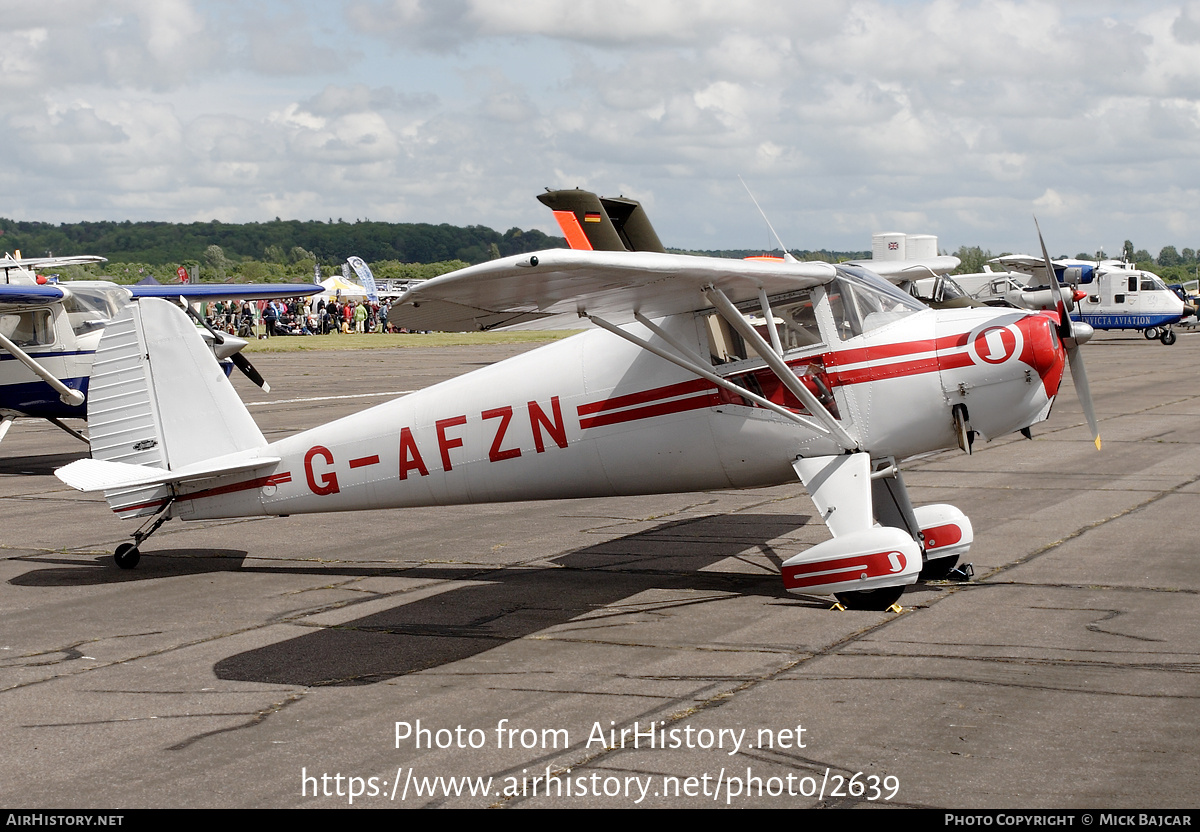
point(787, 255)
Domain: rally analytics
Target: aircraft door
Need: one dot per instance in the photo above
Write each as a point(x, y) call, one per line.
point(1126, 290)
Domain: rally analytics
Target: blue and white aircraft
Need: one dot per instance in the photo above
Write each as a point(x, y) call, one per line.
point(49, 332)
point(1115, 294)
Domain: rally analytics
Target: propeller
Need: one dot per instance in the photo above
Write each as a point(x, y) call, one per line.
point(232, 348)
point(1072, 334)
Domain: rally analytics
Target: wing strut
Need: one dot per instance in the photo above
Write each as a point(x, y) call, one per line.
point(781, 370)
point(58, 424)
point(691, 365)
point(769, 317)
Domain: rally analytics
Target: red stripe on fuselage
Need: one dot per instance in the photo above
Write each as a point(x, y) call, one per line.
point(671, 390)
point(878, 372)
point(709, 399)
point(257, 482)
point(884, 371)
point(881, 352)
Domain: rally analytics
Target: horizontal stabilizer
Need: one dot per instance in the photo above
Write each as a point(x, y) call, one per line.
point(100, 475)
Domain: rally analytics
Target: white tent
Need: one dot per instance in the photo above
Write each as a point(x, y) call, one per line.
point(339, 287)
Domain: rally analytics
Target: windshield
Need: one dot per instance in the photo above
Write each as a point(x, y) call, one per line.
point(1152, 283)
point(99, 301)
point(862, 301)
point(90, 307)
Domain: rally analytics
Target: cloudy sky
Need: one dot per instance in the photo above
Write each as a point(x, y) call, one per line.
point(949, 117)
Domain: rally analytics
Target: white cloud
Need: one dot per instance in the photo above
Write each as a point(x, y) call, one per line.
point(957, 113)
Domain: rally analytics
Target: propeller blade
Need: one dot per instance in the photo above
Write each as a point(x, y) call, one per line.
point(229, 343)
point(1065, 328)
point(1083, 390)
point(1071, 341)
point(243, 363)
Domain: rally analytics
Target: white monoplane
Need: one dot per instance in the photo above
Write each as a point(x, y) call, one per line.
point(700, 373)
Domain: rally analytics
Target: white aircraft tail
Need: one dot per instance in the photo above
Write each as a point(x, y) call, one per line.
point(158, 403)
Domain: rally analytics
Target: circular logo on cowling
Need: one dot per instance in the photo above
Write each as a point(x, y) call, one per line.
point(896, 561)
point(997, 344)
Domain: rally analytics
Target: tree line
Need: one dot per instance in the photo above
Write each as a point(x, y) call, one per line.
point(290, 250)
point(281, 242)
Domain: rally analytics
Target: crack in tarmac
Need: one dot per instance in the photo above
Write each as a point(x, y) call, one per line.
point(258, 718)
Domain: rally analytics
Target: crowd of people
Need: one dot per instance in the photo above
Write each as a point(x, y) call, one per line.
point(298, 316)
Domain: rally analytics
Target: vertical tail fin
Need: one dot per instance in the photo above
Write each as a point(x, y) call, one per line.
point(158, 398)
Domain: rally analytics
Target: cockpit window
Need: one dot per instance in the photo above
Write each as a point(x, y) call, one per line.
point(862, 302)
point(940, 289)
point(90, 307)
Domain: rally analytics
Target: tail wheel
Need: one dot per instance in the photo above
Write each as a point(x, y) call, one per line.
point(1168, 337)
point(870, 599)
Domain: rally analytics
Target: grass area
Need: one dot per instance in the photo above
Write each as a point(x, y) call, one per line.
point(302, 343)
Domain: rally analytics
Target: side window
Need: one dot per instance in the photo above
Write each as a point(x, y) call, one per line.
point(797, 323)
point(725, 344)
point(794, 320)
point(28, 329)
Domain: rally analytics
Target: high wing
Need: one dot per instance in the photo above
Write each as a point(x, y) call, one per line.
point(30, 263)
point(1031, 265)
point(224, 291)
point(555, 287)
point(895, 270)
point(1020, 262)
point(13, 295)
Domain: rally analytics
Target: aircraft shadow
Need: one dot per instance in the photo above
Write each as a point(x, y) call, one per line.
point(516, 602)
point(161, 564)
point(40, 464)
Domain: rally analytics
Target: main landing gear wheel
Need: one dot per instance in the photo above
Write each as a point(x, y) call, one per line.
point(938, 568)
point(1150, 332)
point(127, 556)
point(1168, 338)
point(870, 599)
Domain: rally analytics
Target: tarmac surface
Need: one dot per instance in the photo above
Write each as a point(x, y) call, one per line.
point(267, 663)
